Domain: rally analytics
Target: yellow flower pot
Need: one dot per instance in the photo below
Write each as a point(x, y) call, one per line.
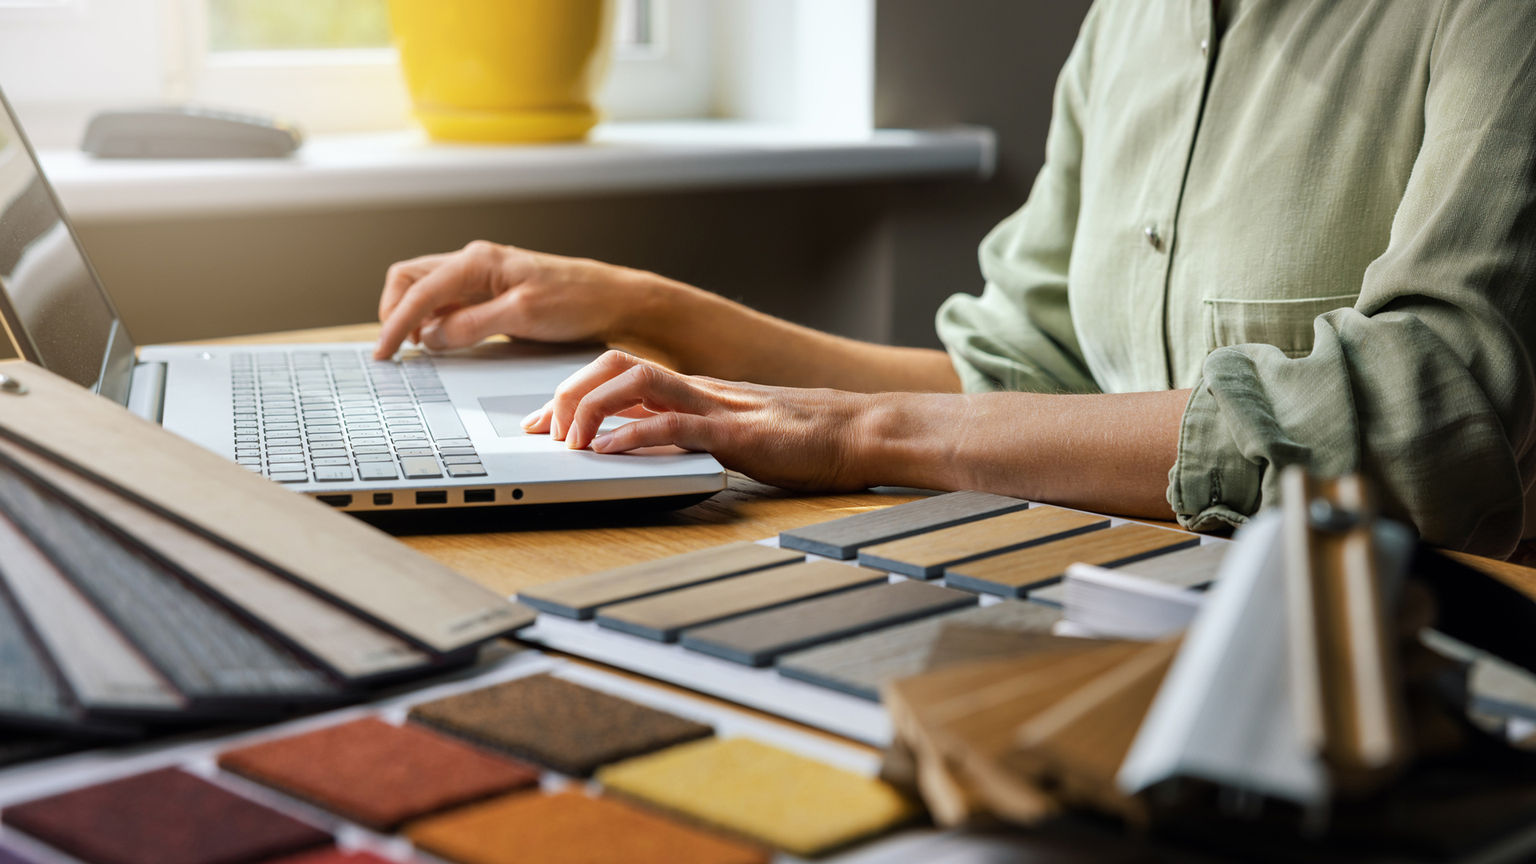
point(503, 70)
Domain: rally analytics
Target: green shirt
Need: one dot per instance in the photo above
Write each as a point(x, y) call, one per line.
point(1318, 214)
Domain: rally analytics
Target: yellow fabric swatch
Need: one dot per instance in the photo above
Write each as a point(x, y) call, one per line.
point(796, 804)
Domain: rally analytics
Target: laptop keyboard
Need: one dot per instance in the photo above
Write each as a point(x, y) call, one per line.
point(338, 416)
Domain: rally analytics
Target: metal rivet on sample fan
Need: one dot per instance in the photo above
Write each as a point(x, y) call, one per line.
point(12, 386)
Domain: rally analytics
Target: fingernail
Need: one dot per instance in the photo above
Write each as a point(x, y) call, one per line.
point(601, 442)
point(431, 336)
point(532, 416)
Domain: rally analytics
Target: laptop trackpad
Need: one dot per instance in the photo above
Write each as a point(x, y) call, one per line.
point(506, 413)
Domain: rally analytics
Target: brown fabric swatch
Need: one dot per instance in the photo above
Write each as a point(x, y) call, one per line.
point(572, 828)
point(572, 729)
point(163, 817)
point(9, 857)
point(378, 774)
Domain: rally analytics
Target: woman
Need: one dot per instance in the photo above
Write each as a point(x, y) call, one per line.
point(1266, 232)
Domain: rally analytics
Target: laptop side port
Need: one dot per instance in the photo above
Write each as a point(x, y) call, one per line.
point(383, 499)
point(335, 500)
point(439, 496)
point(479, 496)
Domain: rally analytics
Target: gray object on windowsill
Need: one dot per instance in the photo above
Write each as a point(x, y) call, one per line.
point(187, 132)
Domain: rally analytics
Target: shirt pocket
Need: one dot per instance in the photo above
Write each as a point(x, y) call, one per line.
point(1285, 324)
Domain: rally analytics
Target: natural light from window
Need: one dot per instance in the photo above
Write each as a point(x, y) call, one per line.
point(269, 25)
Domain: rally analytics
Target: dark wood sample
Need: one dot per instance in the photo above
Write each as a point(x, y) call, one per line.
point(759, 638)
point(1013, 574)
point(581, 596)
point(842, 538)
point(664, 616)
point(570, 728)
point(925, 556)
point(163, 817)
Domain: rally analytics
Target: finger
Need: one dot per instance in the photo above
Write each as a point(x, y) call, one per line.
point(461, 328)
point(400, 277)
point(427, 295)
point(571, 391)
point(688, 431)
point(537, 422)
point(641, 386)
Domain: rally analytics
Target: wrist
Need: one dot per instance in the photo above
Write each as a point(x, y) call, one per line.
point(908, 439)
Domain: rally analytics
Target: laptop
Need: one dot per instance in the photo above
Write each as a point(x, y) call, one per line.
point(418, 431)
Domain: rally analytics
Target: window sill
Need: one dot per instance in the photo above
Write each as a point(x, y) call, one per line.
point(404, 168)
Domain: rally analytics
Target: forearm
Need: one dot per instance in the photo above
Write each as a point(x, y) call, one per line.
point(699, 333)
point(1108, 453)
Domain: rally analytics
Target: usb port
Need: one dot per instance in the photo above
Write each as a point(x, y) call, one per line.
point(438, 497)
point(335, 500)
point(479, 496)
point(383, 499)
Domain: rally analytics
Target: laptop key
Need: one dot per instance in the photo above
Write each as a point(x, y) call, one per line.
point(443, 420)
point(330, 461)
point(457, 451)
point(377, 470)
point(375, 457)
point(472, 469)
point(333, 473)
point(286, 458)
point(417, 467)
point(371, 448)
point(460, 460)
point(455, 442)
point(290, 476)
point(406, 452)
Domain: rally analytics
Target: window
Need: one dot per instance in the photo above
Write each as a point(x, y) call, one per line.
point(267, 25)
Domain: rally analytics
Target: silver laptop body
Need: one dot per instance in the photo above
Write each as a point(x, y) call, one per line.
point(420, 431)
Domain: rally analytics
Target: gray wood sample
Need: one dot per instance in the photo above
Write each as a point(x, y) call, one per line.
point(925, 556)
point(1194, 569)
point(859, 666)
point(758, 638)
point(664, 616)
point(1014, 574)
point(581, 596)
point(842, 538)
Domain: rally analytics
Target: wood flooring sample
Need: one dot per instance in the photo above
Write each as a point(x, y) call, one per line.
point(378, 774)
point(665, 616)
point(1013, 574)
point(842, 538)
point(568, 727)
point(861, 665)
point(758, 638)
point(1191, 569)
point(580, 597)
point(572, 828)
point(926, 555)
point(796, 804)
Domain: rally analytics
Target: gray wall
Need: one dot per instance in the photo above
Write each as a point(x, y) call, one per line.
point(871, 261)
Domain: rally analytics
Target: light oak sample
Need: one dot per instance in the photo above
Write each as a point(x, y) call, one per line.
point(1013, 574)
point(664, 616)
point(842, 538)
point(926, 555)
point(758, 638)
point(580, 597)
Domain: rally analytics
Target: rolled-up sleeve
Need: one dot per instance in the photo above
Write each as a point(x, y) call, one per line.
point(1425, 385)
point(1018, 335)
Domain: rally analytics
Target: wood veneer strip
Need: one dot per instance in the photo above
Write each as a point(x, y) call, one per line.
point(1013, 574)
point(842, 538)
point(1190, 569)
point(926, 555)
point(582, 596)
point(861, 665)
point(665, 616)
point(757, 639)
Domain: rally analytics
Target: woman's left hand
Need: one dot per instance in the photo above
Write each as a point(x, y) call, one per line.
point(790, 437)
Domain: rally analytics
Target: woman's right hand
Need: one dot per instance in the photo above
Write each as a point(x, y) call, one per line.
point(457, 299)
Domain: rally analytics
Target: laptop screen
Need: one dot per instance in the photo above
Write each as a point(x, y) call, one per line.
point(54, 308)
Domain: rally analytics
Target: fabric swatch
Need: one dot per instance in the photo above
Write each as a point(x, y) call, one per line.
point(378, 774)
point(334, 856)
point(564, 726)
point(797, 804)
point(571, 828)
point(859, 666)
point(163, 817)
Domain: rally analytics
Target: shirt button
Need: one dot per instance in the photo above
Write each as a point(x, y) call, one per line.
point(1205, 47)
point(1154, 239)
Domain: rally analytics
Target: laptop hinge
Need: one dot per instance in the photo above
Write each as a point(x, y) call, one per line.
point(146, 393)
